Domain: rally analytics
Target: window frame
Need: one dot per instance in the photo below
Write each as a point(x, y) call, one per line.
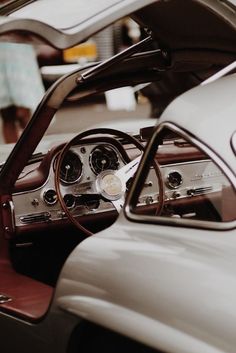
point(142, 173)
point(233, 142)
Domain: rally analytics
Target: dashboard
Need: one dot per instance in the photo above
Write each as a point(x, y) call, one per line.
point(185, 171)
point(78, 173)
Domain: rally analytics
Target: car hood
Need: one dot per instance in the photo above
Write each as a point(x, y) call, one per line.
point(175, 23)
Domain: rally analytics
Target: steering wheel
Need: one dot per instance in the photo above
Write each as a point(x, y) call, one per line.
point(109, 184)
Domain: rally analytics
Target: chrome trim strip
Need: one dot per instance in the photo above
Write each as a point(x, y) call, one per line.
point(4, 298)
point(178, 222)
point(35, 218)
point(12, 210)
point(233, 142)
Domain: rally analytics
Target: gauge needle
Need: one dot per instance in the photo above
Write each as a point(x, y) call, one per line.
point(67, 170)
point(103, 164)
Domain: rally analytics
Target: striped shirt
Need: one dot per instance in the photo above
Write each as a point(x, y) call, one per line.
point(20, 80)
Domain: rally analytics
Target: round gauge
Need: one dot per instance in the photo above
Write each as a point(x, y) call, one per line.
point(174, 179)
point(50, 197)
point(103, 158)
point(71, 168)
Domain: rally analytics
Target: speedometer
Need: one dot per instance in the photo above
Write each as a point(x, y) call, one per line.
point(102, 158)
point(71, 168)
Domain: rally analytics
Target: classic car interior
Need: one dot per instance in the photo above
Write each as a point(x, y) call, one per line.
point(53, 201)
point(60, 199)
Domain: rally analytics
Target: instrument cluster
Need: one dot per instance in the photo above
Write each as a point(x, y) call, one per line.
point(78, 172)
point(83, 160)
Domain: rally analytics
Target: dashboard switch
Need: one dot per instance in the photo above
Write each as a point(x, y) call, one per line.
point(35, 202)
point(176, 194)
point(191, 192)
point(149, 200)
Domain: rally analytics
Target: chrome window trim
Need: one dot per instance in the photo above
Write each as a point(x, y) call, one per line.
point(233, 142)
point(140, 176)
point(12, 211)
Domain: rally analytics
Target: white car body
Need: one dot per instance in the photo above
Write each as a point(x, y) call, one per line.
point(172, 288)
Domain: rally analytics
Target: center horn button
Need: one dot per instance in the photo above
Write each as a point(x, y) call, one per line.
point(109, 185)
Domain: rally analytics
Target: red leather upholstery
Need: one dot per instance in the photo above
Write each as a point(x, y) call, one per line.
point(30, 298)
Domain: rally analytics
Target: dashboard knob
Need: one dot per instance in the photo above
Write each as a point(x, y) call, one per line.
point(176, 194)
point(191, 192)
point(149, 200)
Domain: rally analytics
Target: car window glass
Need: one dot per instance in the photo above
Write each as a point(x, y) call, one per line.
point(191, 186)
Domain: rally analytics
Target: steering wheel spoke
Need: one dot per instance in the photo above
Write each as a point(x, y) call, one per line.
point(128, 170)
point(118, 204)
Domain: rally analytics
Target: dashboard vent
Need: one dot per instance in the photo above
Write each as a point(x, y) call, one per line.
point(36, 217)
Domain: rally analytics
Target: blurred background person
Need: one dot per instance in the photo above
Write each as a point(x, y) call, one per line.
point(21, 87)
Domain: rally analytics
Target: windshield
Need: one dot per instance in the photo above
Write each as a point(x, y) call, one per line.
point(28, 71)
